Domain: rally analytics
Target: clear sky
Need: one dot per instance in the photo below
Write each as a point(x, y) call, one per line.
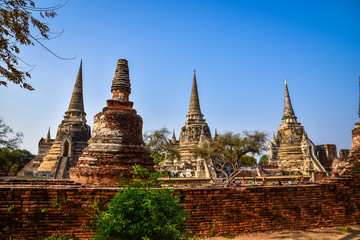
point(241, 50)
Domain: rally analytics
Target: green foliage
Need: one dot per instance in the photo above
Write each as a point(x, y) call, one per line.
point(57, 202)
point(11, 208)
point(159, 146)
point(20, 26)
point(247, 160)
point(228, 151)
point(263, 159)
point(97, 205)
point(44, 210)
point(213, 228)
point(142, 210)
point(8, 138)
point(12, 160)
point(346, 229)
point(7, 229)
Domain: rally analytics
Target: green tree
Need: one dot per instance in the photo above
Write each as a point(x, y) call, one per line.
point(20, 26)
point(8, 138)
point(247, 160)
point(12, 160)
point(263, 159)
point(142, 210)
point(157, 142)
point(226, 152)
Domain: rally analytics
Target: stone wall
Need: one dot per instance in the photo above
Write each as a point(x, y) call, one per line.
point(33, 210)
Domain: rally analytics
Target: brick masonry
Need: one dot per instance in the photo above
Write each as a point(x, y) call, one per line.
point(32, 210)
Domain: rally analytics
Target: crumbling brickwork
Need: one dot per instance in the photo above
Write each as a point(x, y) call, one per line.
point(34, 211)
point(326, 154)
point(291, 149)
point(116, 143)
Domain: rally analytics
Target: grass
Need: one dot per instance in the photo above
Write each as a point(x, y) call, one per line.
point(346, 229)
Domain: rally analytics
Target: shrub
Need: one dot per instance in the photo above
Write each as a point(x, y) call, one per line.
point(142, 211)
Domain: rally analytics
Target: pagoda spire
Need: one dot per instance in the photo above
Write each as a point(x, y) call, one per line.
point(121, 87)
point(173, 139)
point(48, 138)
point(289, 115)
point(274, 138)
point(194, 108)
point(76, 102)
point(304, 136)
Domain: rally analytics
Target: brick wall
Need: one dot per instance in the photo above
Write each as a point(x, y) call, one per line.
point(36, 211)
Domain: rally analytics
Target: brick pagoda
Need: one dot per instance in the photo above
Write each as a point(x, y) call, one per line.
point(116, 143)
point(352, 168)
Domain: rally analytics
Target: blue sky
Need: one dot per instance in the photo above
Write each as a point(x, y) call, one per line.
point(241, 50)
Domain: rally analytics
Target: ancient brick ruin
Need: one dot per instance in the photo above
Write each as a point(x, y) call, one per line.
point(116, 143)
point(195, 132)
point(71, 138)
point(291, 149)
point(33, 208)
point(327, 155)
point(43, 149)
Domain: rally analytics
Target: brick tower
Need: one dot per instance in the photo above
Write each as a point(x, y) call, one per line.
point(291, 149)
point(116, 143)
point(356, 131)
point(71, 137)
point(352, 165)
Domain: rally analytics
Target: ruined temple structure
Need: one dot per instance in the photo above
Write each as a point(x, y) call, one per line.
point(43, 149)
point(351, 167)
point(116, 143)
point(327, 155)
point(195, 132)
point(356, 130)
point(71, 138)
point(291, 150)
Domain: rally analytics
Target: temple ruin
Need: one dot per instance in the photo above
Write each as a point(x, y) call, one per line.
point(116, 143)
point(71, 138)
point(194, 132)
point(43, 149)
point(291, 149)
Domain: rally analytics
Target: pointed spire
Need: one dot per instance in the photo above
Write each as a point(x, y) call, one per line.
point(48, 138)
point(76, 102)
point(121, 81)
point(359, 98)
point(288, 109)
point(173, 139)
point(274, 138)
point(304, 136)
point(194, 108)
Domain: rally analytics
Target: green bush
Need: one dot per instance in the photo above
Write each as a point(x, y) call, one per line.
point(141, 211)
